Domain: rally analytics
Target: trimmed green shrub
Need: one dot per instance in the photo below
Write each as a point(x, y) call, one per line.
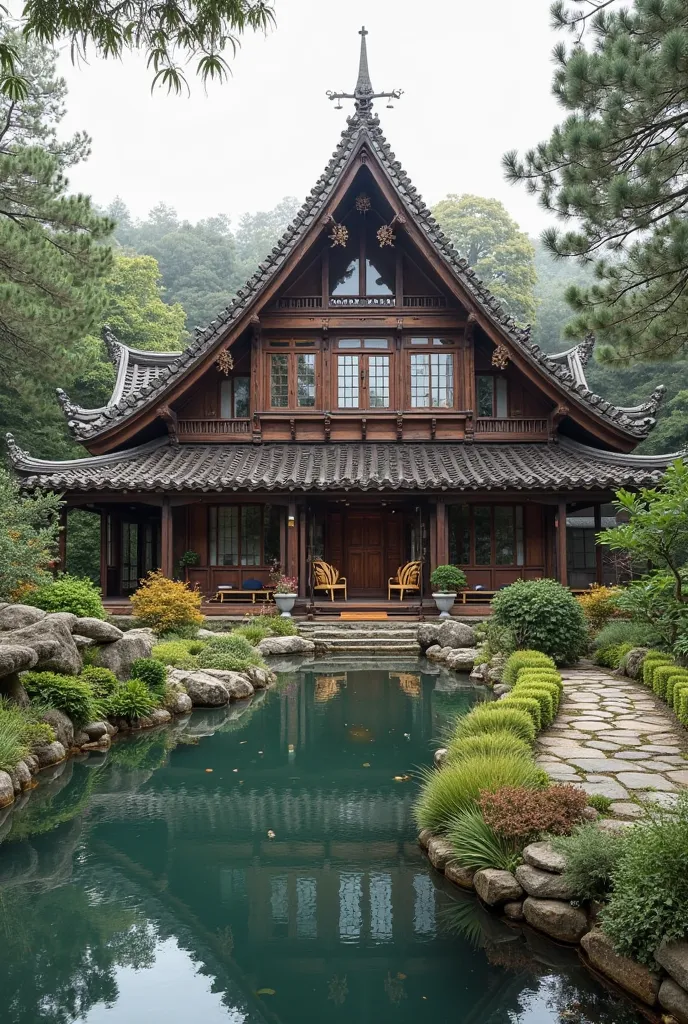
point(528, 704)
point(649, 901)
point(75, 594)
point(544, 616)
point(660, 676)
point(612, 655)
point(520, 660)
point(457, 786)
point(254, 632)
point(625, 631)
point(70, 694)
point(676, 677)
point(132, 700)
point(178, 653)
point(487, 744)
point(544, 698)
point(448, 579)
point(494, 717)
point(102, 681)
point(477, 846)
point(153, 673)
point(651, 661)
point(229, 651)
point(680, 703)
point(592, 856)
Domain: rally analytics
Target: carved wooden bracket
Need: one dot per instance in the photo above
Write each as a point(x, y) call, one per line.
point(433, 427)
point(364, 429)
point(169, 417)
point(292, 429)
point(469, 430)
point(555, 418)
point(328, 426)
point(325, 324)
point(257, 429)
point(400, 427)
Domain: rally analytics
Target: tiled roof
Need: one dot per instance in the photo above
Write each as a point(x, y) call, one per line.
point(161, 465)
point(365, 126)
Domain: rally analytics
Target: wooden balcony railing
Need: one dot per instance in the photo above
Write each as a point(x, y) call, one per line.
point(425, 301)
point(361, 301)
point(214, 428)
point(365, 301)
point(300, 302)
point(501, 425)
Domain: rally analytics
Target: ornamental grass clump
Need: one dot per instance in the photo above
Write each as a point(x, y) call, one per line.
point(254, 632)
point(543, 696)
point(528, 704)
point(132, 700)
point(75, 594)
point(592, 856)
point(165, 604)
point(487, 744)
point(229, 651)
point(525, 814)
point(457, 786)
point(70, 694)
point(178, 653)
point(520, 660)
point(543, 616)
point(13, 742)
point(153, 673)
point(493, 717)
point(477, 846)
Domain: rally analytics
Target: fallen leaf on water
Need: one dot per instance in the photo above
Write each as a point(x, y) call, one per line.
point(235, 769)
point(401, 778)
point(400, 976)
point(209, 769)
point(260, 751)
point(424, 997)
point(271, 834)
point(366, 764)
point(265, 992)
point(241, 742)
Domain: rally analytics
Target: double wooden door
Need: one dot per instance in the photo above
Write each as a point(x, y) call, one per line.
point(372, 549)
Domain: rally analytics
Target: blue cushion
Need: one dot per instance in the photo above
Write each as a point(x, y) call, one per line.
point(252, 585)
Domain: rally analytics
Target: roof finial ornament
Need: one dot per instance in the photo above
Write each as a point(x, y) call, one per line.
point(363, 95)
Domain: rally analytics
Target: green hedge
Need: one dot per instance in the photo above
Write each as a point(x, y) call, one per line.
point(524, 659)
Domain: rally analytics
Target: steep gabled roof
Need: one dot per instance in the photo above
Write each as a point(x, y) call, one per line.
point(137, 373)
point(564, 370)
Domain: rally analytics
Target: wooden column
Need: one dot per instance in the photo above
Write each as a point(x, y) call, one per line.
point(432, 552)
point(442, 534)
point(167, 556)
point(103, 553)
point(303, 548)
point(599, 573)
point(292, 566)
point(62, 540)
point(562, 567)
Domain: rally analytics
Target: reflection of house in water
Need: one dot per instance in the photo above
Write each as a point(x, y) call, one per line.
point(327, 687)
point(409, 682)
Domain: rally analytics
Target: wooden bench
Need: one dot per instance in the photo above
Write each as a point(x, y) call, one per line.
point(476, 596)
point(222, 595)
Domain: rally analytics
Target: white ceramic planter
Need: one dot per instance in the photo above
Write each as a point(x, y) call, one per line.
point(285, 603)
point(444, 603)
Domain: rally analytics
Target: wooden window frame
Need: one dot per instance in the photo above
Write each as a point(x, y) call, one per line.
point(292, 348)
point(364, 353)
point(232, 378)
point(493, 563)
point(450, 345)
point(495, 377)
point(239, 506)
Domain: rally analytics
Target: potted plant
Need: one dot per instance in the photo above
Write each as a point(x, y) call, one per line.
point(446, 581)
point(187, 559)
point(285, 592)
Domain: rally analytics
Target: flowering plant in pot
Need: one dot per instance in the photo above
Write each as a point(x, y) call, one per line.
point(446, 581)
point(285, 590)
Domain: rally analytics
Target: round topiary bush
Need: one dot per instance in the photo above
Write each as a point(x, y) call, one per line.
point(544, 615)
point(494, 717)
point(448, 579)
point(75, 594)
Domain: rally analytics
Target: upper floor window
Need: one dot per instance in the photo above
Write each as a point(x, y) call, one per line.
point(432, 380)
point(363, 267)
point(292, 376)
point(234, 398)
point(363, 378)
point(492, 395)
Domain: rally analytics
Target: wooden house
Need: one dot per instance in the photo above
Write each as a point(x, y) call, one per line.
point(364, 399)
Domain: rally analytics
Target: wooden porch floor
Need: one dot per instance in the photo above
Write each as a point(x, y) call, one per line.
point(322, 609)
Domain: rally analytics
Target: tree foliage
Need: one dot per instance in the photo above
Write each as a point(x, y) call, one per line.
point(28, 538)
point(615, 166)
point(502, 256)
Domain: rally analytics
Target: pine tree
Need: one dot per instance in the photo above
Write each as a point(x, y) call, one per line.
point(615, 167)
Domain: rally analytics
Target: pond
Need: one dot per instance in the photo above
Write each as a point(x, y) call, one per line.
point(259, 865)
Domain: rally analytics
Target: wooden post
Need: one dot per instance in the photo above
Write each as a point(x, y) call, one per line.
point(167, 556)
point(103, 552)
point(561, 545)
point(303, 571)
point(432, 553)
point(292, 566)
point(442, 534)
point(599, 572)
point(62, 540)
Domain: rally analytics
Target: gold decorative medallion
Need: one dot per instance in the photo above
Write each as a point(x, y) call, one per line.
point(339, 235)
point(363, 203)
point(224, 363)
point(386, 236)
point(500, 357)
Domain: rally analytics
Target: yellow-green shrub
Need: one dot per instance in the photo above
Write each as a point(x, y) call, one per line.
point(544, 674)
point(178, 653)
point(527, 704)
point(680, 700)
point(599, 605)
point(544, 698)
point(651, 661)
point(487, 743)
point(660, 675)
point(494, 717)
point(524, 659)
point(165, 604)
point(676, 677)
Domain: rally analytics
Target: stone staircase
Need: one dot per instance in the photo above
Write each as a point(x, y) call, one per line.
point(381, 637)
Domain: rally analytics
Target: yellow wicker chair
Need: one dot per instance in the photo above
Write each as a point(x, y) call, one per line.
point(407, 579)
point(326, 577)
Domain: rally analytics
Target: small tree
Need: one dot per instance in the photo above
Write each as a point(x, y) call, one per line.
point(29, 529)
point(166, 605)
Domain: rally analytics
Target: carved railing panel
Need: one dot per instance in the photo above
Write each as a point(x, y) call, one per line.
point(425, 301)
point(300, 302)
point(216, 427)
point(510, 425)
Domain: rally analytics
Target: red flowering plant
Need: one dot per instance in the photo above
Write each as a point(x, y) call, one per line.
point(516, 812)
point(282, 584)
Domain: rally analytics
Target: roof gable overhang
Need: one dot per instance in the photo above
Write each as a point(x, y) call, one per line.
point(363, 145)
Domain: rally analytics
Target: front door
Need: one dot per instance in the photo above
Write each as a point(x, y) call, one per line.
point(364, 552)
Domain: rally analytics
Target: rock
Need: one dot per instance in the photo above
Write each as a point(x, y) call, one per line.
point(160, 716)
point(62, 726)
point(495, 669)
point(94, 730)
point(543, 884)
point(424, 837)
point(99, 630)
point(496, 886)
point(590, 813)
point(555, 918)
point(427, 634)
point(238, 686)
point(21, 777)
point(31, 762)
point(51, 639)
point(674, 1000)
point(50, 753)
point(633, 662)
point(478, 674)
point(440, 852)
point(437, 653)
point(455, 634)
point(16, 658)
point(274, 645)
point(460, 659)
point(514, 911)
point(633, 977)
point(501, 690)
point(673, 957)
point(440, 756)
point(545, 857)
point(207, 634)
point(16, 616)
point(260, 678)
point(459, 876)
point(120, 655)
point(204, 690)
point(181, 705)
point(81, 738)
point(82, 642)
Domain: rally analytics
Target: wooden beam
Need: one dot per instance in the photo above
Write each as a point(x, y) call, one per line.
point(599, 571)
point(166, 549)
point(103, 552)
point(442, 534)
point(292, 566)
point(303, 571)
point(562, 567)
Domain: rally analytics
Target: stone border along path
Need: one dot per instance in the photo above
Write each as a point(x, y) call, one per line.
point(615, 738)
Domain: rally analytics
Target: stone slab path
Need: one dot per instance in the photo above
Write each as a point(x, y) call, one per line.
point(615, 738)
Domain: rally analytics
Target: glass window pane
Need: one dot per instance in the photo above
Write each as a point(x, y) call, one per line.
point(459, 535)
point(504, 534)
point(343, 276)
point(501, 397)
point(379, 278)
point(420, 380)
point(347, 382)
point(241, 398)
point(279, 382)
point(349, 343)
point(520, 536)
point(485, 390)
point(482, 520)
point(419, 341)
point(271, 534)
point(250, 534)
point(227, 535)
point(305, 380)
point(226, 399)
point(212, 534)
point(378, 381)
point(376, 343)
point(442, 370)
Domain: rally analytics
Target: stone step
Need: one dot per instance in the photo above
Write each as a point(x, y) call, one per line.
point(372, 630)
point(368, 646)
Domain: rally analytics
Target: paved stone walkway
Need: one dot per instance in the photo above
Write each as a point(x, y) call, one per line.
point(615, 738)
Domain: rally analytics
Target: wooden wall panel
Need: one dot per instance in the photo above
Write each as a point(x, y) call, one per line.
point(534, 531)
point(198, 531)
point(180, 540)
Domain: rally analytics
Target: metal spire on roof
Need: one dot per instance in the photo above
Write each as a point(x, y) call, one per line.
point(363, 95)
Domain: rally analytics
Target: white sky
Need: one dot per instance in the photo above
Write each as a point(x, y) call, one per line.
point(476, 79)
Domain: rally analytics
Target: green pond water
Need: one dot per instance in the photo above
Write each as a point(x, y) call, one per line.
point(259, 864)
